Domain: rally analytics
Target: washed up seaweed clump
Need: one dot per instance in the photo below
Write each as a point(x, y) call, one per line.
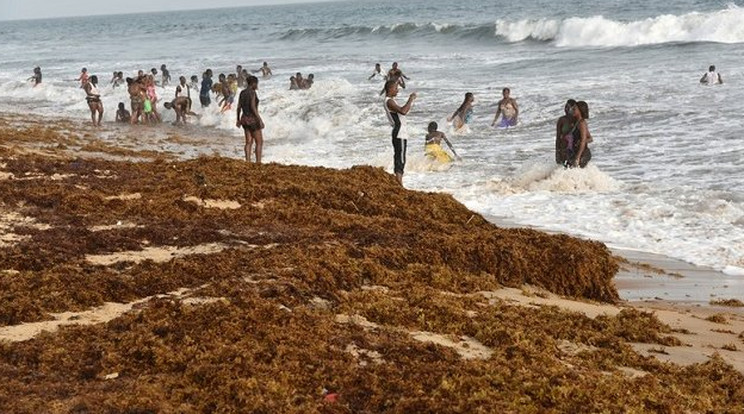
point(296, 289)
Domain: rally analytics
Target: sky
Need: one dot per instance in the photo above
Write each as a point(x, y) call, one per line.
point(40, 9)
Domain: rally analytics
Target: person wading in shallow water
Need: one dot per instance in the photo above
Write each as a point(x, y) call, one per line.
point(93, 97)
point(250, 120)
point(395, 115)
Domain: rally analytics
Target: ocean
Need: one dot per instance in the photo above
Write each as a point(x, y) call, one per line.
point(666, 177)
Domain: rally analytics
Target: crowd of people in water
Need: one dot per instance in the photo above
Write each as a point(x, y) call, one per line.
point(572, 137)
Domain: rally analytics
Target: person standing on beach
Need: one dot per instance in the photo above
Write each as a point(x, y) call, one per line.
point(711, 77)
point(564, 134)
point(508, 109)
point(250, 120)
point(395, 115)
point(581, 136)
point(137, 92)
point(93, 97)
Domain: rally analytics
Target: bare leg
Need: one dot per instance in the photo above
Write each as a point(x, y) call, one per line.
point(248, 145)
point(258, 136)
point(399, 177)
point(100, 112)
point(92, 113)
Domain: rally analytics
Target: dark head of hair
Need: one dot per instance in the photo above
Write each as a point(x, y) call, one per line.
point(432, 126)
point(292, 78)
point(712, 68)
point(168, 105)
point(266, 64)
point(583, 108)
point(154, 71)
point(251, 80)
point(221, 77)
point(120, 74)
point(162, 66)
point(468, 96)
point(194, 77)
point(311, 76)
point(129, 81)
point(84, 70)
point(209, 72)
point(94, 79)
point(182, 78)
point(388, 86)
point(121, 105)
point(570, 102)
point(298, 75)
point(239, 68)
point(505, 90)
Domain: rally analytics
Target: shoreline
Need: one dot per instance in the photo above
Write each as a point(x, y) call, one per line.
point(174, 270)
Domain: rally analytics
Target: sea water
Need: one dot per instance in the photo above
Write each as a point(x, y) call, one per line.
point(667, 174)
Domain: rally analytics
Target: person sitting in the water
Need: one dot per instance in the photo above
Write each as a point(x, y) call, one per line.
point(307, 83)
point(182, 106)
point(711, 77)
point(463, 114)
point(508, 109)
point(293, 86)
point(122, 115)
point(377, 72)
point(433, 148)
point(564, 134)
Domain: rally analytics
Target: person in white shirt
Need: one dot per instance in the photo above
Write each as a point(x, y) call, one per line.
point(396, 116)
point(711, 77)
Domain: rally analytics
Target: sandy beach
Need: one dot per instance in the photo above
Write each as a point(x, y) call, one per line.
point(139, 276)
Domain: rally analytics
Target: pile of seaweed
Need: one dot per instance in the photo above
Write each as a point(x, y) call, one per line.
point(317, 300)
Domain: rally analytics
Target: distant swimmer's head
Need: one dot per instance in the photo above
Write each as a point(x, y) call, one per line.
point(298, 75)
point(432, 126)
point(311, 76)
point(239, 69)
point(583, 109)
point(221, 77)
point(194, 78)
point(252, 81)
point(121, 106)
point(209, 72)
point(94, 79)
point(130, 81)
point(506, 92)
point(568, 107)
point(469, 97)
point(140, 73)
point(395, 65)
point(182, 79)
point(266, 64)
point(162, 67)
point(168, 105)
point(154, 71)
point(84, 70)
point(712, 68)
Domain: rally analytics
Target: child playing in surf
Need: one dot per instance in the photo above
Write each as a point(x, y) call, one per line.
point(433, 148)
point(122, 115)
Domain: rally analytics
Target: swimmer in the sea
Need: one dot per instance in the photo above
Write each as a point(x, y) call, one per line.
point(376, 72)
point(182, 106)
point(36, 77)
point(508, 109)
point(397, 75)
point(464, 113)
point(711, 77)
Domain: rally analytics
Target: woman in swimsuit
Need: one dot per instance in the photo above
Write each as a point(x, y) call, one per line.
point(250, 120)
point(151, 95)
point(463, 114)
point(508, 109)
point(564, 134)
point(93, 96)
point(581, 136)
